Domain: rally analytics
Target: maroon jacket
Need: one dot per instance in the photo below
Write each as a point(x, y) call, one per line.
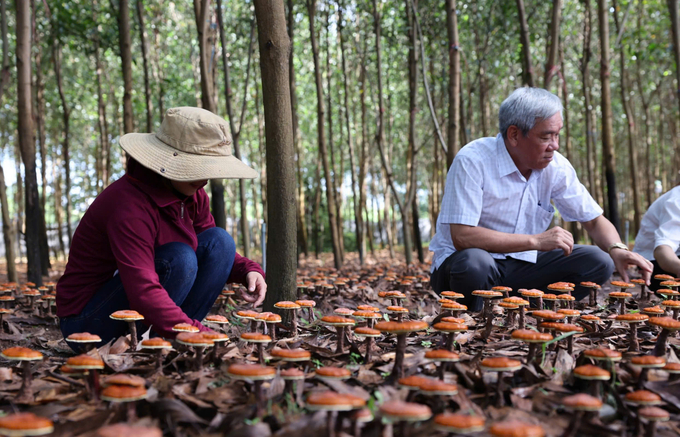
point(120, 231)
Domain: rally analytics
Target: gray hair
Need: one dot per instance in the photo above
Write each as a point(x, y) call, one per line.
point(525, 107)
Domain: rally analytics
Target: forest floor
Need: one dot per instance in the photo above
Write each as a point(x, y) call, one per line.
point(207, 402)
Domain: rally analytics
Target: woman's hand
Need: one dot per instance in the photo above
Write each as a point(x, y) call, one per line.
point(256, 289)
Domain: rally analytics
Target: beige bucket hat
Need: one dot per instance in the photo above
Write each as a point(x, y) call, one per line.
point(192, 144)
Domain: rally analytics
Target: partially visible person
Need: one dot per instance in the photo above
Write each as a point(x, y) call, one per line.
point(149, 243)
point(658, 239)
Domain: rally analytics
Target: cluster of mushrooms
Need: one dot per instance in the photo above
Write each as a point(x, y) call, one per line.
point(448, 372)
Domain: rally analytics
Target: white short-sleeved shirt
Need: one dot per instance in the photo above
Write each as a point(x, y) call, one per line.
point(660, 225)
point(485, 188)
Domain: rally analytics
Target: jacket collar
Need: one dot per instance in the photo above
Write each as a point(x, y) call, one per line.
point(153, 185)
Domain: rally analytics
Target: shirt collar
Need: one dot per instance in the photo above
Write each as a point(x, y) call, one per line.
point(153, 185)
point(506, 165)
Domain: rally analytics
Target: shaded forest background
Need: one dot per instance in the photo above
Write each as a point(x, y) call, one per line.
point(376, 76)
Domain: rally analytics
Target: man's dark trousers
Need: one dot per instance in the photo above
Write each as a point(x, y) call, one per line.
point(475, 269)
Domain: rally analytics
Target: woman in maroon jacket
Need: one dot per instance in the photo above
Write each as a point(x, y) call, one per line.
point(149, 243)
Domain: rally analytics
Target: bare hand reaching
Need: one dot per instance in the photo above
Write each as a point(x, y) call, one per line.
point(555, 238)
point(256, 289)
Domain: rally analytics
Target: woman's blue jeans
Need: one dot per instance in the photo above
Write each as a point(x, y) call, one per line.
point(193, 281)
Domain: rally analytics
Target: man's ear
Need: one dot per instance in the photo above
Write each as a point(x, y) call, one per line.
point(512, 135)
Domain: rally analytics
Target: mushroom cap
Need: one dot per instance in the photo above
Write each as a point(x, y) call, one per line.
point(654, 414)
point(7, 298)
point(85, 361)
point(500, 364)
point(442, 355)
point(454, 306)
point(83, 337)
point(193, 339)
point(530, 336)
point(292, 374)
point(515, 300)
point(620, 295)
point(582, 402)
point(590, 318)
point(401, 327)
point(217, 319)
point(156, 343)
point(394, 294)
point(566, 327)
point(588, 284)
point(450, 327)
point(23, 424)
point(306, 303)
point(531, 293)
point(672, 367)
point(30, 293)
point(487, 294)
point(71, 371)
point(332, 401)
point(667, 292)
point(501, 288)
point(670, 283)
point(648, 361)
point(452, 294)
point(549, 296)
point(622, 284)
point(124, 379)
point(643, 397)
point(362, 416)
point(590, 372)
point(287, 305)
point(185, 327)
point(671, 303)
point(568, 312)
point(396, 309)
point(601, 353)
point(515, 428)
point(367, 314)
point(654, 310)
point(638, 281)
point(19, 353)
point(450, 319)
point(459, 423)
point(663, 277)
point(437, 387)
point(255, 337)
point(217, 337)
point(123, 429)
point(291, 354)
point(127, 315)
point(368, 308)
point(547, 314)
point(337, 321)
point(567, 297)
point(508, 306)
point(668, 323)
point(397, 411)
point(247, 314)
point(561, 285)
point(365, 331)
point(332, 372)
point(268, 317)
point(343, 311)
point(413, 382)
point(253, 372)
point(123, 393)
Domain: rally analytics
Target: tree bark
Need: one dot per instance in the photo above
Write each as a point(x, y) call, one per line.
point(102, 123)
point(675, 34)
point(363, 155)
point(587, 99)
point(453, 125)
point(411, 163)
point(7, 233)
point(236, 132)
point(606, 107)
point(125, 42)
point(527, 72)
point(26, 133)
point(145, 63)
point(321, 132)
point(5, 68)
point(274, 57)
point(66, 119)
point(551, 64)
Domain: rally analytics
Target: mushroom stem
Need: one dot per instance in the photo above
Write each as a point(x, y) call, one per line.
point(159, 361)
point(499, 392)
point(633, 339)
point(340, 332)
point(2, 322)
point(622, 306)
point(94, 384)
point(259, 401)
point(509, 319)
point(131, 412)
point(449, 341)
point(593, 298)
point(540, 302)
point(369, 345)
point(273, 331)
point(570, 345)
point(260, 353)
point(199, 357)
point(642, 378)
point(489, 325)
point(532, 352)
point(400, 317)
point(676, 311)
point(253, 325)
point(442, 370)
point(651, 429)
point(133, 334)
point(26, 379)
point(552, 305)
point(572, 430)
point(330, 423)
point(398, 369)
point(294, 324)
point(521, 317)
point(660, 348)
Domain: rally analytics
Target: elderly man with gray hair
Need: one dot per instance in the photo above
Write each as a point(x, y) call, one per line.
point(498, 204)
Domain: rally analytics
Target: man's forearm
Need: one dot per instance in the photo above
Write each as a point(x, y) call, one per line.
point(667, 259)
point(602, 231)
point(466, 237)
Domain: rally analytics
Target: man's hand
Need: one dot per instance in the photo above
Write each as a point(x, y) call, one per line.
point(623, 258)
point(555, 238)
point(257, 289)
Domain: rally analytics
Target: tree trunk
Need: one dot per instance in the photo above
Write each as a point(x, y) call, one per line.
point(102, 123)
point(158, 75)
point(321, 132)
point(454, 81)
point(587, 102)
point(527, 72)
point(551, 64)
point(125, 42)
point(26, 133)
point(302, 236)
point(274, 56)
point(66, 118)
point(606, 107)
point(236, 132)
point(7, 234)
point(316, 214)
point(145, 63)
point(5, 68)
point(675, 34)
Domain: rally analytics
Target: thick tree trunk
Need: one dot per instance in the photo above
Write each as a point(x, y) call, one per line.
point(5, 68)
point(274, 56)
point(411, 172)
point(26, 133)
point(454, 81)
point(551, 63)
point(7, 232)
point(321, 132)
point(587, 102)
point(125, 43)
point(527, 72)
point(66, 118)
point(606, 107)
point(675, 34)
point(145, 64)
point(236, 132)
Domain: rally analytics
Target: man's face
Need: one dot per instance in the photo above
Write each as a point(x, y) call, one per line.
point(189, 188)
point(535, 151)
